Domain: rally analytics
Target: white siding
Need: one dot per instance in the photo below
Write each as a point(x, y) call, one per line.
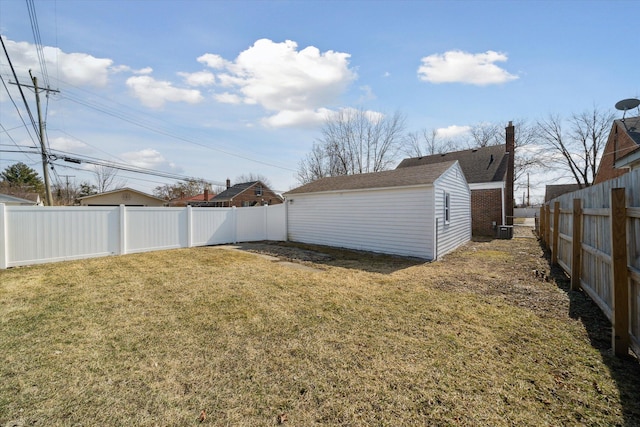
point(458, 230)
point(395, 221)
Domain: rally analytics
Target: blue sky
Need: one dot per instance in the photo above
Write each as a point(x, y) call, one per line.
point(217, 89)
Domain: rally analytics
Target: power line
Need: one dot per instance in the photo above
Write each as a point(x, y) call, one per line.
point(14, 103)
point(159, 131)
point(15, 76)
point(38, 41)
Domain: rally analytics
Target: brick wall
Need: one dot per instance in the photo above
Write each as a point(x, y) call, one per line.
point(486, 207)
point(249, 196)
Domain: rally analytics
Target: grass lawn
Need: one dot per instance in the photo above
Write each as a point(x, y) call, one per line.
point(154, 339)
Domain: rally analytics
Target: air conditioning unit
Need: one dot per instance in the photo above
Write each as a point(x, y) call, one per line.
point(505, 232)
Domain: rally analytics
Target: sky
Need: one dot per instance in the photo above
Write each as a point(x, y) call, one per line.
point(220, 89)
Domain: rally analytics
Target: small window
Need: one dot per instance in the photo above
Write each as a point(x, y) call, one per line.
point(259, 190)
point(447, 208)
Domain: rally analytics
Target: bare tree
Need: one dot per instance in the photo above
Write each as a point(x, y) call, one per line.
point(578, 149)
point(528, 151)
point(486, 134)
point(353, 142)
point(427, 143)
point(250, 177)
point(186, 188)
point(105, 177)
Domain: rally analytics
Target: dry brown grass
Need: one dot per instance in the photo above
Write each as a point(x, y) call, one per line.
point(154, 339)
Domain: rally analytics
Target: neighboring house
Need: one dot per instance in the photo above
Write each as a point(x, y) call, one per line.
point(197, 200)
point(121, 196)
point(421, 211)
point(553, 191)
point(9, 200)
point(490, 174)
point(622, 151)
point(253, 193)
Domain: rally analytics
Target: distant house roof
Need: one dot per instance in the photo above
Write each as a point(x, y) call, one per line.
point(196, 198)
point(119, 190)
point(553, 191)
point(487, 164)
point(406, 176)
point(17, 201)
point(232, 192)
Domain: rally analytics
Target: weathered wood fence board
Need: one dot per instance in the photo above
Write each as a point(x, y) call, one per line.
point(594, 235)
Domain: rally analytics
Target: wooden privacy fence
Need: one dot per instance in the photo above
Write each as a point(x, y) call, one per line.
point(594, 235)
point(36, 234)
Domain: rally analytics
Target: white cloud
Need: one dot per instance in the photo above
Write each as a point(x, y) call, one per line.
point(213, 61)
point(75, 68)
point(228, 98)
point(154, 93)
point(283, 79)
point(302, 118)
point(461, 67)
point(149, 158)
point(126, 68)
point(68, 144)
point(367, 94)
point(200, 78)
point(452, 131)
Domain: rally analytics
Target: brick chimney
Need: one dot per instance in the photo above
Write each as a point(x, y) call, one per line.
point(510, 141)
point(228, 183)
point(206, 194)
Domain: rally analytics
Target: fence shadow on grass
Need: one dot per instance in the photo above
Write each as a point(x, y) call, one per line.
point(624, 371)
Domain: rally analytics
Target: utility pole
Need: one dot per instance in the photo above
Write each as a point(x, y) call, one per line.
point(528, 199)
point(45, 160)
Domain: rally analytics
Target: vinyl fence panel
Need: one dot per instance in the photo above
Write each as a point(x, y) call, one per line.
point(33, 235)
point(212, 226)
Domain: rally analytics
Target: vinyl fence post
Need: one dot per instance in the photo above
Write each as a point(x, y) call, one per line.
point(4, 244)
point(556, 233)
point(620, 280)
point(123, 230)
point(266, 222)
point(234, 221)
point(576, 258)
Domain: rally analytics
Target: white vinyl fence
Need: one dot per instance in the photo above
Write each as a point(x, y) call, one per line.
point(35, 235)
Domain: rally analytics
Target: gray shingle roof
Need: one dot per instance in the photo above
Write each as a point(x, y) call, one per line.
point(8, 199)
point(232, 192)
point(419, 175)
point(488, 164)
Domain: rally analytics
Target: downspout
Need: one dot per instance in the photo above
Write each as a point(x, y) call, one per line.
point(504, 214)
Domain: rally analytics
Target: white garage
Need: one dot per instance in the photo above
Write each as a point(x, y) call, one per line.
point(421, 211)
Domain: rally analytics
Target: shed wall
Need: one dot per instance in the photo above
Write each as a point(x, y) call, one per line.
point(458, 230)
point(395, 221)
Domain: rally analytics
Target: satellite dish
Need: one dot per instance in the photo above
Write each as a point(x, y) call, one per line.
point(627, 104)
